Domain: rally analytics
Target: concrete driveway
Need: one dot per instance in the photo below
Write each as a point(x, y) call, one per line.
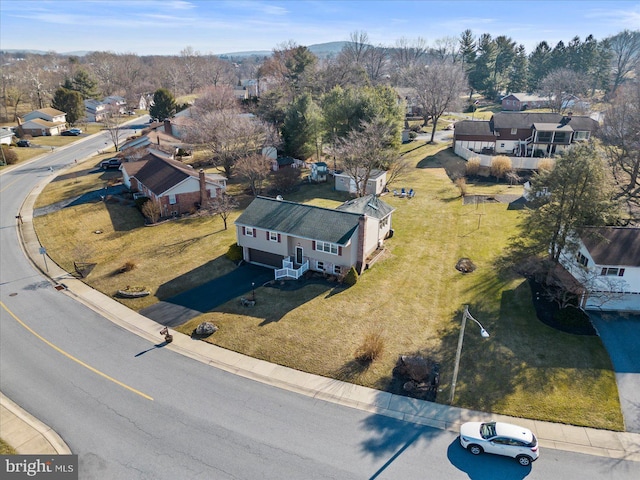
point(177, 310)
point(620, 334)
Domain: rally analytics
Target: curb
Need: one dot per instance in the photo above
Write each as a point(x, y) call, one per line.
point(26, 434)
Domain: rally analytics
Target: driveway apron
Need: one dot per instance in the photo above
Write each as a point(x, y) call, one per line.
point(183, 307)
point(620, 334)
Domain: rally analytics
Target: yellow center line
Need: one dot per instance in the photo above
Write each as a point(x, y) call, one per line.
point(71, 357)
point(9, 184)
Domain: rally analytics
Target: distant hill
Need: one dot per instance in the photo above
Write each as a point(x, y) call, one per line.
point(321, 50)
point(80, 53)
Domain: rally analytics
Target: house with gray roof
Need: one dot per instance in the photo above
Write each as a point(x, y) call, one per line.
point(524, 134)
point(175, 186)
point(294, 237)
point(607, 264)
point(43, 122)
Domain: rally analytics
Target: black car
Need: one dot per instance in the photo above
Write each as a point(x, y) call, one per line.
point(111, 163)
point(69, 133)
point(23, 143)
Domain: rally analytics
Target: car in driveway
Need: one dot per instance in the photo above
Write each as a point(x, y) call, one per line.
point(23, 143)
point(500, 438)
point(72, 132)
point(114, 162)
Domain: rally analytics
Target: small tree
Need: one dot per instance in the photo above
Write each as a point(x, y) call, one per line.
point(9, 157)
point(151, 210)
point(222, 205)
point(255, 169)
point(500, 165)
point(461, 183)
point(286, 179)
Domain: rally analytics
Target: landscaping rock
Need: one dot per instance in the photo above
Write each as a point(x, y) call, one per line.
point(465, 265)
point(206, 328)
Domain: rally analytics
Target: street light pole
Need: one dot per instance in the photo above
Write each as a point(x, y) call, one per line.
point(456, 367)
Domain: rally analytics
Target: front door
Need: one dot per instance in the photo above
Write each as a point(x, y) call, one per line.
point(299, 255)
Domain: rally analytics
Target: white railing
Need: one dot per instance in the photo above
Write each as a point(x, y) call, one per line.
point(518, 163)
point(287, 270)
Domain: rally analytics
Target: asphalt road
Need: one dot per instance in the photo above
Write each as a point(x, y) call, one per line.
point(134, 410)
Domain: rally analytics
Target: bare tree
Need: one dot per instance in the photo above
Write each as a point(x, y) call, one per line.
point(255, 169)
point(561, 85)
point(151, 210)
point(438, 88)
point(222, 205)
point(228, 136)
point(626, 56)
point(620, 134)
point(365, 150)
point(407, 54)
point(112, 121)
point(217, 97)
point(357, 47)
point(191, 71)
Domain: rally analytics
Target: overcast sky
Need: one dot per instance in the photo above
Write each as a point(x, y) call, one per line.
point(165, 27)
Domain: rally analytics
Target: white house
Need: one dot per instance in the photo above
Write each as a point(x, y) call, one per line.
point(94, 110)
point(6, 135)
point(608, 264)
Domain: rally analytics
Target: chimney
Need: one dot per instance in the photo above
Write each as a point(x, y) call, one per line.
point(167, 127)
point(362, 228)
point(204, 195)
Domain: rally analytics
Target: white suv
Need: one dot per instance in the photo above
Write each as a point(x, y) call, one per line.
point(501, 439)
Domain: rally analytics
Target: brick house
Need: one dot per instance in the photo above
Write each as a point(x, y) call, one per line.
point(177, 187)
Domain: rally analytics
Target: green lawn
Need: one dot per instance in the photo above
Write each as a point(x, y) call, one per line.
point(414, 296)
point(6, 449)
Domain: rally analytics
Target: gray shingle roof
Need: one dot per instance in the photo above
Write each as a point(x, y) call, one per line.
point(369, 205)
point(296, 219)
point(526, 120)
point(469, 127)
point(613, 245)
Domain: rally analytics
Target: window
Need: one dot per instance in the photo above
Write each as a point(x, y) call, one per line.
point(172, 199)
point(581, 135)
point(320, 266)
point(612, 272)
point(560, 137)
point(582, 260)
point(514, 131)
point(273, 237)
point(337, 269)
point(249, 232)
point(545, 137)
point(331, 248)
point(502, 145)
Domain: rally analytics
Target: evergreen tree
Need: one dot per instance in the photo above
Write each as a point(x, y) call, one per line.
point(301, 132)
point(468, 54)
point(485, 65)
point(539, 65)
point(84, 84)
point(69, 102)
point(164, 105)
point(518, 77)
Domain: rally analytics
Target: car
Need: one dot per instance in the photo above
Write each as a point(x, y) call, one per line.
point(23, 143)
point(114, 162)
point(500, 438)
point(70, 133)
point(76, 131)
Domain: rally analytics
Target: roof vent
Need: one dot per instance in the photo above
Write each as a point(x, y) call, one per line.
point(372, 206)
point(279, 197)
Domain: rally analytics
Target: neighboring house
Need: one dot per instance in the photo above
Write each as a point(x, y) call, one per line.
point(146, 100)
point(116, 103)
point(523, 134)
point(319, 172)
point(160, 135)
point(279, 163)
point(43, 122)
point(6, 136)
point(241, 93)
point(177, 187)
point(407, 98)
point(608, 264)
point(298, 237)
point(375, 184)
point(94, 110)
point(523, 101)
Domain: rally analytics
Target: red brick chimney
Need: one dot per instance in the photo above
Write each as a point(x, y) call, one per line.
point(204, 195)
point(167, 127)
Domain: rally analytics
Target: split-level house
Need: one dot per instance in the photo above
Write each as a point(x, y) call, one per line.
point(175, 186)
point(43, 122)
point(523, 134)
point(294, 237)
point(160, 135)
point(607, 265)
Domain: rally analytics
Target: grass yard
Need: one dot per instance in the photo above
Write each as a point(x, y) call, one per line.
point(414, 295)
point(6, 449)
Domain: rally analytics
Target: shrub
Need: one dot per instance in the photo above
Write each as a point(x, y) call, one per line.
point(10, 157)
point(500, 165)
point(461, 183)
point(412, 135)
point(234, 253)
point(371, 348)
point(128, 266)
point(546, 164)
point(140, 201)
point(151, 210)
point(286, 179)
point(473, 166)
point(351, 278)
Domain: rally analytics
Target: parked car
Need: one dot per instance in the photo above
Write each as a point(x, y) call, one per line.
point(23, 143)
point(114, 162)
point(76, 131)
point(70, 133)
point(501, 439)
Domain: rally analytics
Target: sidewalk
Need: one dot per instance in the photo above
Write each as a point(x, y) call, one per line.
point(621, 445)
